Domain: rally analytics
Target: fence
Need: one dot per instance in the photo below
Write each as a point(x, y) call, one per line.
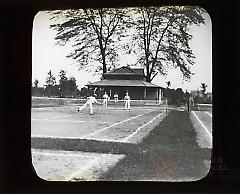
point(50, 102)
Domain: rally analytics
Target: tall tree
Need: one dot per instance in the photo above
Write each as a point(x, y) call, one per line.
point(62, 76)
point(50, 80)
point(168, 84)
point(62, 82)
point(36, 83)
point(94, 32)
point(179, 94)
point(72, 86)
point(163, 39)
point(51, 84)
point(203, 88)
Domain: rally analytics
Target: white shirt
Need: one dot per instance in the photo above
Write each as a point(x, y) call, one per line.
point(127, 97)
point(91, 99)
point(105, 96)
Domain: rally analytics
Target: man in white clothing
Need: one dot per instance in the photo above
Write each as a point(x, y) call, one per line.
point(90, 100)
point(105, 99)
point(115, 98)
point(127, 101)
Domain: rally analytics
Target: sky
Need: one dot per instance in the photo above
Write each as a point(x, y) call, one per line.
point(48, 56)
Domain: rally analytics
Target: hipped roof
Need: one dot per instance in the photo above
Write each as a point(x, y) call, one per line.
point(124, 83)
point(126, 71)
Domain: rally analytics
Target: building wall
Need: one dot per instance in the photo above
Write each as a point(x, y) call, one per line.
point(135, 93)
point(152, 93)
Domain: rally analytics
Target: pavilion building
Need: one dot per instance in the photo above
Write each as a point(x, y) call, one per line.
point(126, 79)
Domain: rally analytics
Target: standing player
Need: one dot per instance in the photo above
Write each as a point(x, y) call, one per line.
point(90, 100)
point(127, 101)
point(115, 97)
point(105, 99)
point(187, 97)
point(191, 101)
point(190, 104)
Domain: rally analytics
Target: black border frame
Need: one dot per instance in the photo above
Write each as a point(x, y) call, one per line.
point(16, 171)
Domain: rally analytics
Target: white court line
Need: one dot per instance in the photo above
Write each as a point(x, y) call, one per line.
point(95, 132)
point(123, 109)
point(208, 113)
point(53, 137)
point(54, 120)
point(61, 116)
point(56, 153)
point(96, 167)
point(100, 139)
point(139, 128)
point(69, 154)
point(92, 162)
point(210, 135)
point(88, 166)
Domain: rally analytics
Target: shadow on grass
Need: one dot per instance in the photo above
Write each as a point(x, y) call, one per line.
point(170, 152)
point(85, 145)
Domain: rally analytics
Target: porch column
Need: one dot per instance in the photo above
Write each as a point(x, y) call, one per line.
point(159, 96)
point(145, 93)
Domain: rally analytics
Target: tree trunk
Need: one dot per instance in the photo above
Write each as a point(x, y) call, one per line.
point(148, 78)
point(104, 65)
point(102, 50)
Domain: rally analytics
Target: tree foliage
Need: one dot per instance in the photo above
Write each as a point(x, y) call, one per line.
point(203, 88)
point(63, 84)
point(51, 87)
point(50, 80)
point(94, 33)
point(168, 84)
point(174, 97)
point(162, 38)
point(36, 82)
point(67, 86)
point(72, 86)
point(63, 77)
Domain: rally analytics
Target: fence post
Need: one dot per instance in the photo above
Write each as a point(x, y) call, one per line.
point(166, 106)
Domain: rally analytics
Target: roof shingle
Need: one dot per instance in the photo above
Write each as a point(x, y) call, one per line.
point(127, 70)
point(124, 83)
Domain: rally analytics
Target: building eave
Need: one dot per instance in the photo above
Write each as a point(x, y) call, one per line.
point(124, 83)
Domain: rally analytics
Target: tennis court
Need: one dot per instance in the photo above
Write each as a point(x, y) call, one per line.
point(106, 124)
point(72, 146)
point(54, 127)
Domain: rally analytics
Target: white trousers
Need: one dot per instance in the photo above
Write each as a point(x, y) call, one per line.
point(105, 103)
point(88, 103)
point(127, 104)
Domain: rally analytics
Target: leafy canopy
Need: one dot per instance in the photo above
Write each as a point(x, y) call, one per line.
point(162, 38)
point(93, 32)
point(159, 36)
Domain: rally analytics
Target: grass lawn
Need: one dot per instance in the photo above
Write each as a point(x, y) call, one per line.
point(170, 152)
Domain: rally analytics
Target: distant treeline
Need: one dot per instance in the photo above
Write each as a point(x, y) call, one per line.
point(54, 91)
point(66, 87)
point(178, 97)
point(174, 97)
